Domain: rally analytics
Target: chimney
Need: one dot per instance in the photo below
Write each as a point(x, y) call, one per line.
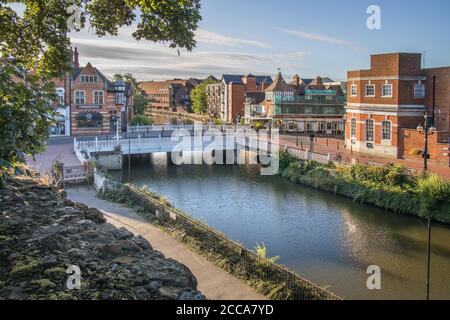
point(76, 62)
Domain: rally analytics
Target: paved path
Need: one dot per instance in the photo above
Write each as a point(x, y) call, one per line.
point(60, 149)
point(214, 282)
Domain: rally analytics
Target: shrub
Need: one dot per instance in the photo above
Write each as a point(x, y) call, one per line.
point(435, 193)
point(141, 120)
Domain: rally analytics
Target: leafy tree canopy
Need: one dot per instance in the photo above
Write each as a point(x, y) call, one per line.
point(37, 41)
point(198, 96)
point(140, 99)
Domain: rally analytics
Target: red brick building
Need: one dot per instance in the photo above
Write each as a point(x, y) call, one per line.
point(233, 90)
point(390, 97)
point(90, 103)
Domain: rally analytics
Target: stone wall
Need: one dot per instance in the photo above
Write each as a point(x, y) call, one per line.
point(42, 234)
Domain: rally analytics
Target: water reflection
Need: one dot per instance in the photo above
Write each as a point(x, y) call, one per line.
point(327, 238)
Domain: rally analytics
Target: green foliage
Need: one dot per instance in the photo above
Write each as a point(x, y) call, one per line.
point(198, 97)
point(390, 187)
point(261, 250)
point(435, 194)
point(141, 120)
point(38, 41)
point(140, 99)
point(26, 111)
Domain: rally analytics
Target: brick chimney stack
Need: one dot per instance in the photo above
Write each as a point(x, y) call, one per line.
point(76, 62)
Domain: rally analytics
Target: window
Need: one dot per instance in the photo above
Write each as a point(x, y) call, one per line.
point(79, 97)
point(88, 79)
point(386, 130)
point(60, 93)
point(370, 125)
point(89, 120)
point(328, 98)
point(419, 90)
point(353, 128)
point(386, 90)
point(309, 110)
point(98, 97)
point(329, 110)
point(370, 90)
point(354, 90)
point(120, 98)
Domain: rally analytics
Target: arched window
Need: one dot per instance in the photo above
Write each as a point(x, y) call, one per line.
point(370, 132)
point(89, 120)
point(386, 127)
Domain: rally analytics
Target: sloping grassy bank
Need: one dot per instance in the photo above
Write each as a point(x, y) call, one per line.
point(390, 187)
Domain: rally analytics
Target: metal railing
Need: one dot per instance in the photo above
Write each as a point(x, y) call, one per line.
point(249, 264)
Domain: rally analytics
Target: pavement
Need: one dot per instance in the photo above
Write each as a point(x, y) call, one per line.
point(213, 282)
point(61, 149)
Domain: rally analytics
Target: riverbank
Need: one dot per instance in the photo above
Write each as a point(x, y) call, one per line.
point(274, 281)
point(390, 187)
point(47, 241)
point(214, 282)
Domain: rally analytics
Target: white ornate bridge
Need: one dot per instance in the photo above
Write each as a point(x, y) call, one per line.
point(151, 139)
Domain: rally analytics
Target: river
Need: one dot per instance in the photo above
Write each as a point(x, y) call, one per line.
point(326, 238)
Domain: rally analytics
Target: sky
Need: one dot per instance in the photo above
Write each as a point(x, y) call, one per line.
point(303, 37)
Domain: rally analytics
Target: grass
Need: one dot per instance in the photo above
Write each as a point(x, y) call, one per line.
point(390, 187)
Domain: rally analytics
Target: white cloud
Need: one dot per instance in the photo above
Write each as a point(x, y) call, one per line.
point(314, 36)
point(208, 37)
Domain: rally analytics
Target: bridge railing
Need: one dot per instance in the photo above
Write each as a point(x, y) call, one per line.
point(162, 128)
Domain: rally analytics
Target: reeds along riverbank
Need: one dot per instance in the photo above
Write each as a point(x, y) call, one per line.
point(390, 187)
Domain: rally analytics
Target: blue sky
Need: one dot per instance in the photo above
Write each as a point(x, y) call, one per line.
point(325, 37)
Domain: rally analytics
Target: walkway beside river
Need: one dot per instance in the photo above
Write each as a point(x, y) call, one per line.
point(214, 282)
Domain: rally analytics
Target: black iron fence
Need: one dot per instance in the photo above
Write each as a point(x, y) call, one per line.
point(250, 264)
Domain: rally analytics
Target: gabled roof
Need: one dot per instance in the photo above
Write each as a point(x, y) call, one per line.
point(279, 85)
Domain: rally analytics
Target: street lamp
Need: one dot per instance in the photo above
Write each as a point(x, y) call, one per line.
point(425, 128)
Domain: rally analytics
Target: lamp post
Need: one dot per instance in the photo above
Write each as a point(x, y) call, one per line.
point(426, 129)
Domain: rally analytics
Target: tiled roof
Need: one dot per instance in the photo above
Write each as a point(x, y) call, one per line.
point(255, 97)
point(279, 84)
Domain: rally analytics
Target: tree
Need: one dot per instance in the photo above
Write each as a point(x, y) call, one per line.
point(198, 96)
point(140, 99)
point(38, 42)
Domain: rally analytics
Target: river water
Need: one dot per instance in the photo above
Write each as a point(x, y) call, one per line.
point(326, 238)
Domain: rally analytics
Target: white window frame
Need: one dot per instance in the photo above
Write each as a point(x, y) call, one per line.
point(390, 130)
point(373, 130)
point(84, 96)
point(103, 96)
point(353, 121)
point(422, 90)
point(366, 87)
point(389, 85)
point(354, 87)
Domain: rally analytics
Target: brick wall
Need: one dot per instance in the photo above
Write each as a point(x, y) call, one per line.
point(442, 110)
point(413, 140)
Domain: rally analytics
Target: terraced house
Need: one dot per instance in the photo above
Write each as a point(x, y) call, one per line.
point(388, 102)
point(90, 103)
